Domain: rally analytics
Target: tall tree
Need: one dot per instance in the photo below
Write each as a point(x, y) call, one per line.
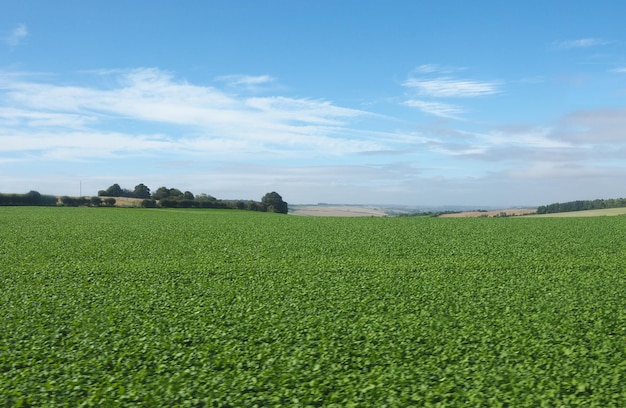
point(141, 191)
point(273, 202)
point(114, 191)
point(162, 192)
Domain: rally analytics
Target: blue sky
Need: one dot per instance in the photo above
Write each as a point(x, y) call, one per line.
point(420, 103)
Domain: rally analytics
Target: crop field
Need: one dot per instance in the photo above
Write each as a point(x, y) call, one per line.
point(155, 307)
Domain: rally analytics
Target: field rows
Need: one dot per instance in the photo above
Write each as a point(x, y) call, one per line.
point(134, 307)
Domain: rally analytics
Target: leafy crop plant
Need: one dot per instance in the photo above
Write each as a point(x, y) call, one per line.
point(144, 307)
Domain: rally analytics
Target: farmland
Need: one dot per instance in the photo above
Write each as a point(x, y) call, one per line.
point(145, 307)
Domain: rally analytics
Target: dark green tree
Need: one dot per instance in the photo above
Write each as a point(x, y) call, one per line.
point(68, 201)
point(95, 201)
point(273, 202)
point(141, 191)
point(148, 203)
point(114, 191)
point(253, 206)
point(74, 201)
point(33, 197)
point(175, 193)
point(161, 193)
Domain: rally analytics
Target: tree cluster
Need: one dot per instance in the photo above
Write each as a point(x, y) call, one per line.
point(87, 201)
point(163, 197)
point(30, 198)
point(140, 191)
point(174, 198)
point(581, 205)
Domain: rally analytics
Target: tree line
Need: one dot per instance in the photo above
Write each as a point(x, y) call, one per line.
point(30, 198)
point(174, 198)
point(34, 198)
point(581, 205)
point(163, 197)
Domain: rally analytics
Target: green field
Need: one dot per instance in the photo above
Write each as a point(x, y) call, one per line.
point(140, 307)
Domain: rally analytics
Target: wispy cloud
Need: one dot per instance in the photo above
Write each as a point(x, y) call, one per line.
point(237, 144)
point(438, 82)
point(206, 120)
point(78, 146)
point(16, 36)
point(579, 43)
point(436, 68)
point(621, 70)
point(248, 82)
point(443, 110)
point(452, 88)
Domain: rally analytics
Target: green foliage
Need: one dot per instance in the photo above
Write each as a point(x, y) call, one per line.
point(149, 203)
point(141, 191)
point(113, 191)
point(174, 198)
point(95, 201)
point(273, 202)
point(30, 198)
point(161, 192)
point(582, 205)
point(227, 308)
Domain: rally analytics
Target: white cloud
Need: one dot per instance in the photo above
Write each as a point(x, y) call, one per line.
point(427, 81)
point(579, 43)
point(426, 68)
point(452, 88)
point(531, 137)
point(437, 81)
point(621, 70)
point(207, 120)
point(126, 125)
point(443, 110)
point(249, 83)
point(17, 35)
point(436, 68)
point(461, 150)
point(71, 145)
point(10, 116)
point(245, 80)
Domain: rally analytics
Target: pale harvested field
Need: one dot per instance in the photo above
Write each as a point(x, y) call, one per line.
point(508, 212)
point(338, 211)
point(126, 201)
point(586, 213)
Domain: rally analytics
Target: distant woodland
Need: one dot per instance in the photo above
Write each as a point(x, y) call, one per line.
point(581, 205)
point(163, 197)
point(30, 198)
